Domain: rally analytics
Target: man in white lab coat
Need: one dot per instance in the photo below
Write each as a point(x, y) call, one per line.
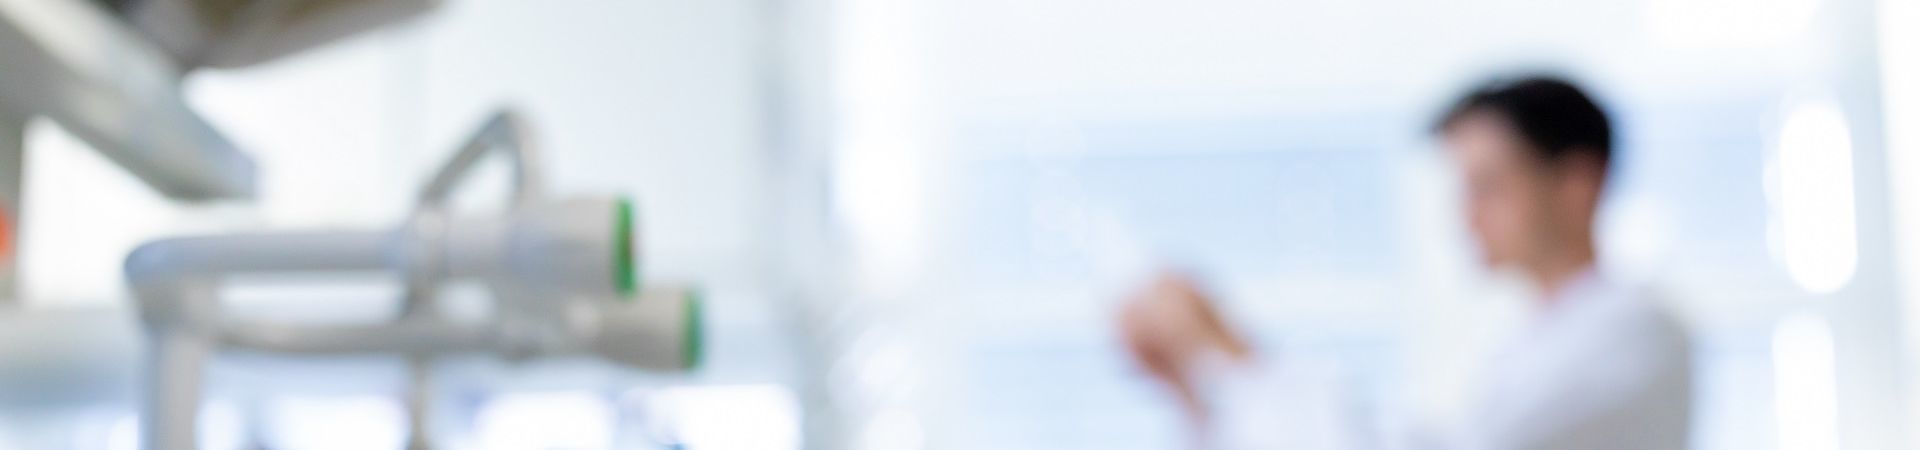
point(1600, 365)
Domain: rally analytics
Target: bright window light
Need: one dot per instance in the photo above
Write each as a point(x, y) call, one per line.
point(745, 417)
point(1728, 23)
point(338, 422)
point(894, 429)
point(81, 216)
point(1813, 202)
point(124, 434)
point(565, 419)
point(1804, 405)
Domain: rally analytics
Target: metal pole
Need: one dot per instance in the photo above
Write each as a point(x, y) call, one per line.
point(13, 135)
point(506, 132)
point(177, 364)
point(420, 403)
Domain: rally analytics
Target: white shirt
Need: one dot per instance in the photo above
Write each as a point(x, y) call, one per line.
point(1601, 366)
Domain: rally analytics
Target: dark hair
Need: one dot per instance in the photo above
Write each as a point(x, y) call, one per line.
point(1551, 113)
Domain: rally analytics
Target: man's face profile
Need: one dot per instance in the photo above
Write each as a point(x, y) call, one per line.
point(1507, 192)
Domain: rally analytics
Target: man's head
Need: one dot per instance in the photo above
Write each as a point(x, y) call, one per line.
point(1534, 152)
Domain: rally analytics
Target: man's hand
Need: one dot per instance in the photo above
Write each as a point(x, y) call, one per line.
point(1170, 327)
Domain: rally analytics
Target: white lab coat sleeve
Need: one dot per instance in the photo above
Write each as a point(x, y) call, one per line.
point(1293, 406)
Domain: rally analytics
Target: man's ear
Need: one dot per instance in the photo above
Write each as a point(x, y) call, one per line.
point(1582, 175)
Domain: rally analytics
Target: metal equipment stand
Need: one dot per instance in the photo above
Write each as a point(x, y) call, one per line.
point(13, 135)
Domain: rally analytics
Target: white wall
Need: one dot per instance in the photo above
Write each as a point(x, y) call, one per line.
point(661, 99)
point(1899, 43)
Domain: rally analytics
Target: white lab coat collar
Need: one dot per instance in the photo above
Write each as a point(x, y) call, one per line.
point(1586, 285)
point(1586, 289)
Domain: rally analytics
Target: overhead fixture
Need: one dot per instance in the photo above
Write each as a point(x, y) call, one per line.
point(1813, 198)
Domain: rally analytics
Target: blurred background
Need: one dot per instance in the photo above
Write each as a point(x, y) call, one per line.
point(914, 217)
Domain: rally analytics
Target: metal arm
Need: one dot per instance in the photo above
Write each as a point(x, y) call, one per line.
point(506, 132)
point(556, 266)
point(74, 63)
